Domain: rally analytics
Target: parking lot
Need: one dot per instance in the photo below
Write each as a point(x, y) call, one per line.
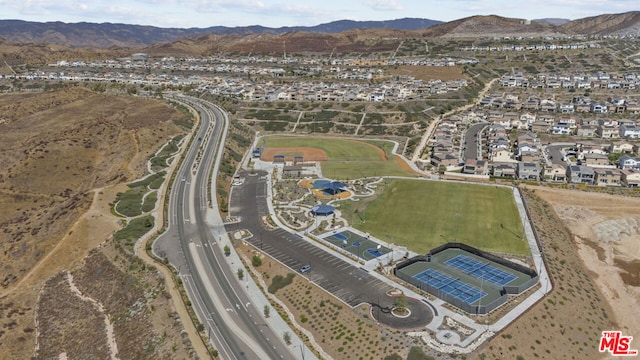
point(349, 283)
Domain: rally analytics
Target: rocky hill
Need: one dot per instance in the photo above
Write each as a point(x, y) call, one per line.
point(490, 25)
point(608, 24)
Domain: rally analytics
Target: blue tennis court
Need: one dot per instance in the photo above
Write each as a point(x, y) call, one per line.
point(374, 252)
point(339, 236)
point(481, 270)
point(453, 287)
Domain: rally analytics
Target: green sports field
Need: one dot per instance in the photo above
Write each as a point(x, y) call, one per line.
point(347, 159)
point(424, 214)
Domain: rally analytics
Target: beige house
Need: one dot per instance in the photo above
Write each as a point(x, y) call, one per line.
point(621, 147)
point(630, 178)
point(555, 172)
point(501, 155)
point(587, 130)
point(444, 159)
point(507, 170)
point(608, 177)
point(475, 167)
point(595, 159)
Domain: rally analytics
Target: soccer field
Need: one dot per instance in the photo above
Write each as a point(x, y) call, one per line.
point(424, 214)
point(347, 159)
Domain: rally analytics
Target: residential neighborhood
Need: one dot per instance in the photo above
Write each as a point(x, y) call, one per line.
point(507, 134)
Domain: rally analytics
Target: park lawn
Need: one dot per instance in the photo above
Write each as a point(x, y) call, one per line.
point(424, 214)
point(348, 159)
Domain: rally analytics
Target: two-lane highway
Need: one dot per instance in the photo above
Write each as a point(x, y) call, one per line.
point(218, 298)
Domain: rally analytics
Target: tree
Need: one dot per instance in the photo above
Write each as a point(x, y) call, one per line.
point(266, 311)
point(256, 260)
point(227, 250)
point(393, 357)
point(240, 274)
point(401, 302)
point(287, 337)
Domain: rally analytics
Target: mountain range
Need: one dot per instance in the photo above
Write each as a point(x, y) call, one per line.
point(106, 35)
point(55, 40)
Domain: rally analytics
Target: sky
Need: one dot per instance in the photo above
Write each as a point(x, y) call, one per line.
point(277, 13)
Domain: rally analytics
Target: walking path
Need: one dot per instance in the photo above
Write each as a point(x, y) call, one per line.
point(448, 341)
point(434, 124)
point(111, 338)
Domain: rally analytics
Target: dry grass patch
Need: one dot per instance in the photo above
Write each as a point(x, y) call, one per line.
point(568, 322)
point(57, 148)
point(132, 296)
point(64, 319)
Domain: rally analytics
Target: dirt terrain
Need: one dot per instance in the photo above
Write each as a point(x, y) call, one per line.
point(606, 230)
point(63, 155)
point(588, 295)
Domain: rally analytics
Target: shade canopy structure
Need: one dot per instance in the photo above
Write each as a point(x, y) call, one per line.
point(329, 187)
point(322, 209)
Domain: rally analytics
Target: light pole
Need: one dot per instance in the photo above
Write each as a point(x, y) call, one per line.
point(480, 300)
point(457, 215)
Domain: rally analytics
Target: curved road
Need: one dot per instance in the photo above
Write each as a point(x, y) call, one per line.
point(472, 142)
point(351, 284)
point(218, 298)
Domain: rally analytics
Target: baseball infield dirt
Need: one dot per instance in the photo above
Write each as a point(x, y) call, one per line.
point(308, 154)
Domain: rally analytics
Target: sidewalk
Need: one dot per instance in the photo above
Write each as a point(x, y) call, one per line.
point(445, 340)
point(274, 321)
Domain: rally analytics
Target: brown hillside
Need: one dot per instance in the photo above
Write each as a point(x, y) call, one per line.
point(41, 54)
point(624, 23)
point(56, 147)
point(490, 25)
point(371, 40)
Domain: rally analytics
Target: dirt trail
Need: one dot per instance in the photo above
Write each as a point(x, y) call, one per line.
point(111, 339)
point(93, 227)
point(436, 121)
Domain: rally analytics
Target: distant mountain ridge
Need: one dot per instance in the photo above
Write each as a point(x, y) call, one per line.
point(338, 36)
point(107, 35)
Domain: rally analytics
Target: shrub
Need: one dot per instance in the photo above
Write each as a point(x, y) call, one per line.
point(393, 357)
point(280, 282)
point(256, 260)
